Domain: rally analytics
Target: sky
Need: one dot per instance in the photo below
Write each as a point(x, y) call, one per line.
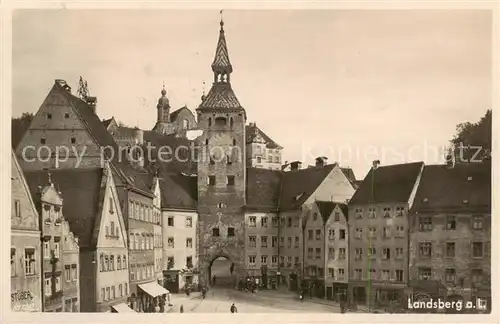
point(351, 85)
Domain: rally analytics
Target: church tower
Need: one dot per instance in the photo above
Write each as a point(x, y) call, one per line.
point(221, 170)
point(163, 124)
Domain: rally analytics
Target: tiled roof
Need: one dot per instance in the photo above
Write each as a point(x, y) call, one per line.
point(349, 175)
point(179, 191)
point(81, 192)
point(124, 131)
point(445, 189)
point(169, 164)
point(250, 133)
point(99, 133)
point(263, 189)
point(390, 184)
point(221, 59)
point(299, 185)
point(220, 96)
point(106, 122)
point(174, 114)
point(326, 208)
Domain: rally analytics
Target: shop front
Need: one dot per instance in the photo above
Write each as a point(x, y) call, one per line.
point(337, 292)
point(149, 295)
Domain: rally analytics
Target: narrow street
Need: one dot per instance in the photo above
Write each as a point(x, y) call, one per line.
point(219, 300)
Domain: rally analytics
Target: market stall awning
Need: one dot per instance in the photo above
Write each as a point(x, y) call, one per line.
point(153, 289)
point(123, 308)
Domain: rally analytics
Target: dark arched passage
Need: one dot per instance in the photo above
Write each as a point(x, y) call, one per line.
point(222, 270)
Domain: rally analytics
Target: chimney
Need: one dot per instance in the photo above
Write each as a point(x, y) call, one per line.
point(375, 164)
point(295, 166)
point(92, 103)
point(321, 161)
point(139, 136)
point(63, 84)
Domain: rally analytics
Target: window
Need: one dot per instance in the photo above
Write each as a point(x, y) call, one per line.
point(477, 249)
point(400, 231)
point(341, 253)
point(477, 276)
point(387, 212)
point(263, 241)
point(426, 249)
point(189, 221)
point(170, 221)
point(263, 221)
point(358, 233)
point(477, 223)
point(17, 207)
point(49, 116)
point(112, 263)
point(310, 234)
point(189, 262)
point(342, 234)
point(47, 287)
point(318, 253)
point(359, 212)
point(230, 231)
point(450, 275)
point(29, 261)
point(296, 222)
point(331, 234)
point(126, 289)
point(74, 272)
point(424, 273)
point(372, 232)
point(58, 283)
point(263, 259)
point(189, 242)
point(46, 250)
point(275, 221)
point(318, 234)
point(400, 211)
point(399, 253)
point(288, 261)
point(425, 223)
point(215, 231)
point(372, 213)
point(66, 115)
point(124, 262)
point(297, 261)
point(12, 262)
point(230, 180)
point(289, 240)
point(297, 241)
point(310, 252)
point(315, 217)
point(373, 274)
point(274, 259)
point(399, 275)
point(337, 216)
point(252, 221)
point(289, 222)
point(67, 273)
point(450, 249)
point(451, 223)
point(42, 141)
point(358, 253)
point(170, 242)
point(108, 297)
point(118, 262)
point(112, 227)
point(120, 290)
point(259, 159)
point(211, 180)
point(386, 253)
point(252, 241)
point(73, 140)
point(282, 241)
point(331, 272)
point(372, 252)
point(358, 273)
point(251, 259)
point(386, 232)
point(386, 274)
point(274, 241)
point(57, 251)
point(341, 273)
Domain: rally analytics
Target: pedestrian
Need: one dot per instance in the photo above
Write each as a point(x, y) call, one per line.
point(233, 309)
point(182, 309)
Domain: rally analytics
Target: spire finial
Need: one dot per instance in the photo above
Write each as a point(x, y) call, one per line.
point(49, 176)
point(163, 90)
point(221, 20)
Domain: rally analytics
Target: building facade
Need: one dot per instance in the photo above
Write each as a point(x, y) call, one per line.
point(25, 255)
point(378, 232)
point(71, 263)
point(261, 150)
point(158, 235)
point(450, 236)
